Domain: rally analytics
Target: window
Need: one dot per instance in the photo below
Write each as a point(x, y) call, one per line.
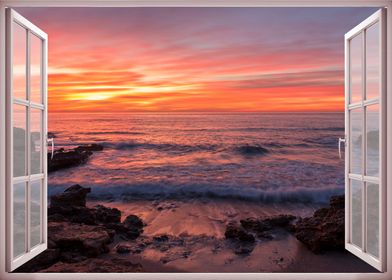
point(365, 118)
point(23, 137)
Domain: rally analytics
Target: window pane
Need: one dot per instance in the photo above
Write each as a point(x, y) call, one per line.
point(356, 210)
point(19, 62)
point(19, 140)
point(35, 68)
point(356, 124)
point(372, 210)
point(36, 140)
point(19, 218)
point(373, 61)
point(356, 68)
point(35, 213)
point(372, 140)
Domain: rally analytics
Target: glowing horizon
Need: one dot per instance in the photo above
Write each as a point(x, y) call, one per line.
point(195, 59)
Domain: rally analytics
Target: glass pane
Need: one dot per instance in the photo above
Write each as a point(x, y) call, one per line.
point(372, 140)
point(19, 61)
point(35, 68)
point(19, 218)
point(372, 210)
point(356, 68)
point(35, 213)
point(356, 124)
point(19, 119)
point(373, 61)
point(356, 212)
point(36, 142)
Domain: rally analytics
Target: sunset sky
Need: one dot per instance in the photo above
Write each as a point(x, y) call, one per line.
point(195, 59)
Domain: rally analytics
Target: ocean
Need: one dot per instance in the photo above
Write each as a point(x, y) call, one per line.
point(257, 157)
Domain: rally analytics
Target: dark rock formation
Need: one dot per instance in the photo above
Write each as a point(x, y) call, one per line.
point(325, 229)
point(96, 265)
point(265, 224)
point(72, 196)
point(105, 215)
point(87, 240)
point(251, 150)
point(244, 234)
point(73, 157)
point(133, 226)
point(237, 232)
point(71, 206)
point(77, 233)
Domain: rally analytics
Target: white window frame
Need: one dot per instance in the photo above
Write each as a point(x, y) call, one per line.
point(196, 3)
point(377, 17)
point(13, 262)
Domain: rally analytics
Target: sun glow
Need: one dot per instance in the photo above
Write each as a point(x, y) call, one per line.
point(153, 59)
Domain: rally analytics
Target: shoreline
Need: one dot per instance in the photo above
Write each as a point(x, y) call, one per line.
point(184, 236)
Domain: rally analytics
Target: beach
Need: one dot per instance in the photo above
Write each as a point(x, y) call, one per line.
point(200, 186)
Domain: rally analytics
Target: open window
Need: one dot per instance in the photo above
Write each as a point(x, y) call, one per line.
point(365, 114)
point(26, 140)
point(365, 126)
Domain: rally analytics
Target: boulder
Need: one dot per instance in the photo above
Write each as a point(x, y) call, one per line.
point(96, 265)
point(133, 226)
point(325, 229)
point(72, 196)
point(133, 221)
point(106, 215)
point(251, 150)
point(237, 232)
point(87, 240)
point(264, 224)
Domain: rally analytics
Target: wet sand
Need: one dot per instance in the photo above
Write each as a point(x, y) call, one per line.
point(196, 239)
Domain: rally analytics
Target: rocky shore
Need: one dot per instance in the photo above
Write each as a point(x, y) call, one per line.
point(72, 157)
point(78, 236)
point(322, 232)
point(99, 239)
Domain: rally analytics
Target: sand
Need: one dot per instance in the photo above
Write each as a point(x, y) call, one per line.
point(197, 244)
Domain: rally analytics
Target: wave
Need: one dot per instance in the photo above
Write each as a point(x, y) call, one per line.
point(152, 192)
point(328, 141)
point(245, 150)
point(166, 147)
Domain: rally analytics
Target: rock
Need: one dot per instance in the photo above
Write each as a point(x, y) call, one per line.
point(236, 232)
point(133, 226)
point(73, 157)
point(90, 147)
point(118, 227)
point(42, 261)
point(72, 257)
point(72, 196)
point(86, 239)
point(106, 215)
point(325, 229)
point(268, 223)
point(251, 150)
point(96, 265)
point(133, 233)
point(244, 249)
point(161, 238)
point(71, 206)
point(123, 249)
point(134, 248)
point(133, 221)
